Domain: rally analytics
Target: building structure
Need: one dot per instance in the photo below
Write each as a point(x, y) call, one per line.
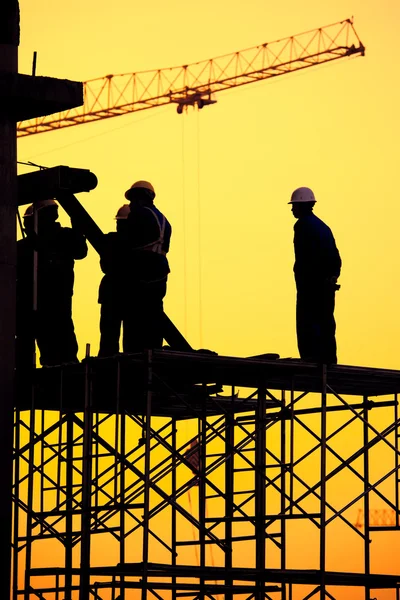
point(286, 452)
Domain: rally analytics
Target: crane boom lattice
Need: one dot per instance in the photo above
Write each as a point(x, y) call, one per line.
point(194, 84)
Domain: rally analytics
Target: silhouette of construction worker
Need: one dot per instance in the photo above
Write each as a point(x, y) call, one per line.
point(316, 270)
point(115, 265)
point(45, 281)
point(137, 263)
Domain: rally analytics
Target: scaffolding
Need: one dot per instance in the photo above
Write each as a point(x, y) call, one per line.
point(167, 474)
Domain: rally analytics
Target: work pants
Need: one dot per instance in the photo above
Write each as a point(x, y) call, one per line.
point(143, 317)
point(316, 325)
point(25, 339)
point(141, 312)
point(53, 329)
point(110, 327)
point(55, 333)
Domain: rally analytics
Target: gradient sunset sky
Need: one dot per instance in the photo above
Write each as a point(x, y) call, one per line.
point(224, 175)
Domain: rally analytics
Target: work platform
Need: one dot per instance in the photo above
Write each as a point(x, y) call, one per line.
point(192, 377)
point(166, 474)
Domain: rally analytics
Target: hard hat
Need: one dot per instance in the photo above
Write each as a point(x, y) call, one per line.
point(145, 185)
point(39, 205)
point(302, 194)
point(123, 212)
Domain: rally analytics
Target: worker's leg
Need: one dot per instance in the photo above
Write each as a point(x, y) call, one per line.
point(56, 334)
point(155, 309)
point(135, 322)
point(45, 337)
point(67, 345)
point(329, 328)
point(143, 318)
point(110, 329)
point(308, 325)
point(25, 339)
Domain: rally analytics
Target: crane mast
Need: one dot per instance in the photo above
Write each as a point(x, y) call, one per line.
point(197, 83)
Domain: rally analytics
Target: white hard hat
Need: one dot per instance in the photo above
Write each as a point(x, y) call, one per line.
point(302, 194)
point(123, 212)
point(145, 185)
point(39, 205)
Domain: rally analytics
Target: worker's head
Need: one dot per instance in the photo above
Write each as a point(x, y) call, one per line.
point(302, 202)
point(47, 214)
point(121, 217)
point(141, 192)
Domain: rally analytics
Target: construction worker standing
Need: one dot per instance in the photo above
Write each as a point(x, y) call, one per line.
point(139, 267)
point(45, 281)
point(316, 270)
point(114, 263)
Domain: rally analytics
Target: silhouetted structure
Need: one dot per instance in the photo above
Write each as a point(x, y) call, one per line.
point(136, 269)
point(118, 469)
point(196, 84)
point(21, 97)
point(316, 269)
point(115, 266)
point(45, 286)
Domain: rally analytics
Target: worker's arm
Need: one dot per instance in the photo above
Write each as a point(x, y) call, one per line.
point(74, 243)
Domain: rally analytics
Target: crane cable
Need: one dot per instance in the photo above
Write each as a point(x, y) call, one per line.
point(199, 235)
point(185, 316)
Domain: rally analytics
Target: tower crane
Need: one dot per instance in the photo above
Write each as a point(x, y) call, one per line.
point(196, 84)
point(379, 519)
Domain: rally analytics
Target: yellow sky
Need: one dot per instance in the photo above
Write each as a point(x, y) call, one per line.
point(333, 128)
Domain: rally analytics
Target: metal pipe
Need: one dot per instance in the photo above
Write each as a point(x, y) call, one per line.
point(9, 41)
point(229, 492)
point(202, 496)
point(86, 485)
point(260, 491)
point(174, 460)
point(322, 549)
point(69, 490)
point(147, 441)
point(122, 416)
point(366, 496)
point(283, 492)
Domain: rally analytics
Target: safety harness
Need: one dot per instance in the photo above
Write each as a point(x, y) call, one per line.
point(157, 245)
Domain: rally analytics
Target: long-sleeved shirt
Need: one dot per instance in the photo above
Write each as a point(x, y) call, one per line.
point(136, 254)
point(317, 258)
point(57, 248)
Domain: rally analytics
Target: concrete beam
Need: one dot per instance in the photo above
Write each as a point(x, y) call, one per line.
point(24, 97)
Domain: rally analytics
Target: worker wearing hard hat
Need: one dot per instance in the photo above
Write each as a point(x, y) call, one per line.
point(316, 270)
point(112, 293)
point(45, 286)
point(149, 234)
point(141, 283)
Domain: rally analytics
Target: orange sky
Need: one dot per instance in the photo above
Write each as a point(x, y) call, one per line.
point(333, 128)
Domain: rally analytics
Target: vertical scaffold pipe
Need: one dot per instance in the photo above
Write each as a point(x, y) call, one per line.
point(174, 547)
point(9, 41)
point(229, 490)
point(366, 494)
point(260, 494)
point(202, 498)
point(283, 488)
point(323, 483)
point(86, 484)
point(147, 441)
